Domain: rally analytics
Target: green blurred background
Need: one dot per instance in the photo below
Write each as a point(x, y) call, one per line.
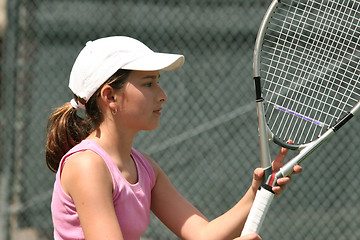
point(207, 141)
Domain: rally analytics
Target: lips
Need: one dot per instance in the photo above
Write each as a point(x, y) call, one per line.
point(158, 111)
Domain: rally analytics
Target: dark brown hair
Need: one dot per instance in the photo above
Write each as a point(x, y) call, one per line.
point(66, 128)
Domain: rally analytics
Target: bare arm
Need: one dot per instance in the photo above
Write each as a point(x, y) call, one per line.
point(188, 223)
point(87, 180)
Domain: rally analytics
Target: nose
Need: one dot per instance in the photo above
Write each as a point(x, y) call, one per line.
point(162, 95)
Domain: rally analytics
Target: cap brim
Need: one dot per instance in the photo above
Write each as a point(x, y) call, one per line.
point(156, 62)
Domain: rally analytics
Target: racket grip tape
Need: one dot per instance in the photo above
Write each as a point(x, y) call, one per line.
point(261, 204)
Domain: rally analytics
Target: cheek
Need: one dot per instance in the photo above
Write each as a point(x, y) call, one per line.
point(133, 105)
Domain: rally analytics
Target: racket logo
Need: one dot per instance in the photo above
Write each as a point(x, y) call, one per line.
point(299, 115)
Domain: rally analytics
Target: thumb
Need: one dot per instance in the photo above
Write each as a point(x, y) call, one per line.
point(251, 236)
point(257, 178)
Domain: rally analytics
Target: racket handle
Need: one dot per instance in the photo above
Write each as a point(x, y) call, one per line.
point(263, 199)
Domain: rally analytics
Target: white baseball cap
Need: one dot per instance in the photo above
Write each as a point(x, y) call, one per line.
point(101, 58)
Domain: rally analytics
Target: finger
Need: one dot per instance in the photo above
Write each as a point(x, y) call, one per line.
point(258, 174)
point(251, 236)
point(278, 190)
point(297, 169)
point(279, 160)
point(281, 185)
point(283, 181)
point(257, 178)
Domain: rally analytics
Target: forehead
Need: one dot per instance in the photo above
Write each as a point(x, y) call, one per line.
point(138, 75)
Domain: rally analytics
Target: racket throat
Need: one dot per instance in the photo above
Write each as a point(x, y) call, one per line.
point(272, 179)
point(269, 177)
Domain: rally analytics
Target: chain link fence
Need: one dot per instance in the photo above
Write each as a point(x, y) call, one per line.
point(207, 141)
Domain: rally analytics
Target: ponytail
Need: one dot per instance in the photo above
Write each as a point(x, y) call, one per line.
point(65, 129)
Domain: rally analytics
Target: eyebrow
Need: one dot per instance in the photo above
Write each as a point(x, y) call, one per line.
point(152, 76)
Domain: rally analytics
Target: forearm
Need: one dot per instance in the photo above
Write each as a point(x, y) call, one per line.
point(187, 222)
point(230, 224)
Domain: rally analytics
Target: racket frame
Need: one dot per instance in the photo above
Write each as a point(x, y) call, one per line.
point(264, 195)
point(264, 133)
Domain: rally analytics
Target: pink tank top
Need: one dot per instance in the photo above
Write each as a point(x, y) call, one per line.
point(131, 201)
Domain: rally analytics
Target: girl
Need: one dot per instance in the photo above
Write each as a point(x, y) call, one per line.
point(104, 188)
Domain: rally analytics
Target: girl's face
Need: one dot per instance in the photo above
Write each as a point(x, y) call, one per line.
point(140, 101)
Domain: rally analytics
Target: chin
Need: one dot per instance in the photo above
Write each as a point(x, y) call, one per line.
point(150, 128)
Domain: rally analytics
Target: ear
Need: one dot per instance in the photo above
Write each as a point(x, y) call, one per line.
point(107, 94)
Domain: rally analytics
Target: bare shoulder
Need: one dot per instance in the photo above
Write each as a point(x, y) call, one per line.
point(84, 168)
point(83, 161)
point(154, 165)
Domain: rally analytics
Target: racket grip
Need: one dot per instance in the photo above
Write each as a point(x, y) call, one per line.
point(261, 204)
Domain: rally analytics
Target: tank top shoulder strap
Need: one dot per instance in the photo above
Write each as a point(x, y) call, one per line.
point(141, 160)
point(89, 145)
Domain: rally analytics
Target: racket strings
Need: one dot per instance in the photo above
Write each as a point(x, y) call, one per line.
point(327, 57)
point(294, 95)
point(331, 103)
point(310, 57)
point(294, 41)
point(310, 62)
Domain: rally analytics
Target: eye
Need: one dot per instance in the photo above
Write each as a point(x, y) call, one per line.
point(152, 83)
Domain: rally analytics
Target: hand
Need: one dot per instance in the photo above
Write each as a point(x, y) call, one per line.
point(276, 165)
point(251, 236)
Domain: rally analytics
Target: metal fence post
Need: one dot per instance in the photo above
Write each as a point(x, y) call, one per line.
point(7, 114)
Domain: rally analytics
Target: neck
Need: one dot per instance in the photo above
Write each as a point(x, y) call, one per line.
point(116, 143)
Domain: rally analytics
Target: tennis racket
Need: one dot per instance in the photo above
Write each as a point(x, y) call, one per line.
point(306, 70)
